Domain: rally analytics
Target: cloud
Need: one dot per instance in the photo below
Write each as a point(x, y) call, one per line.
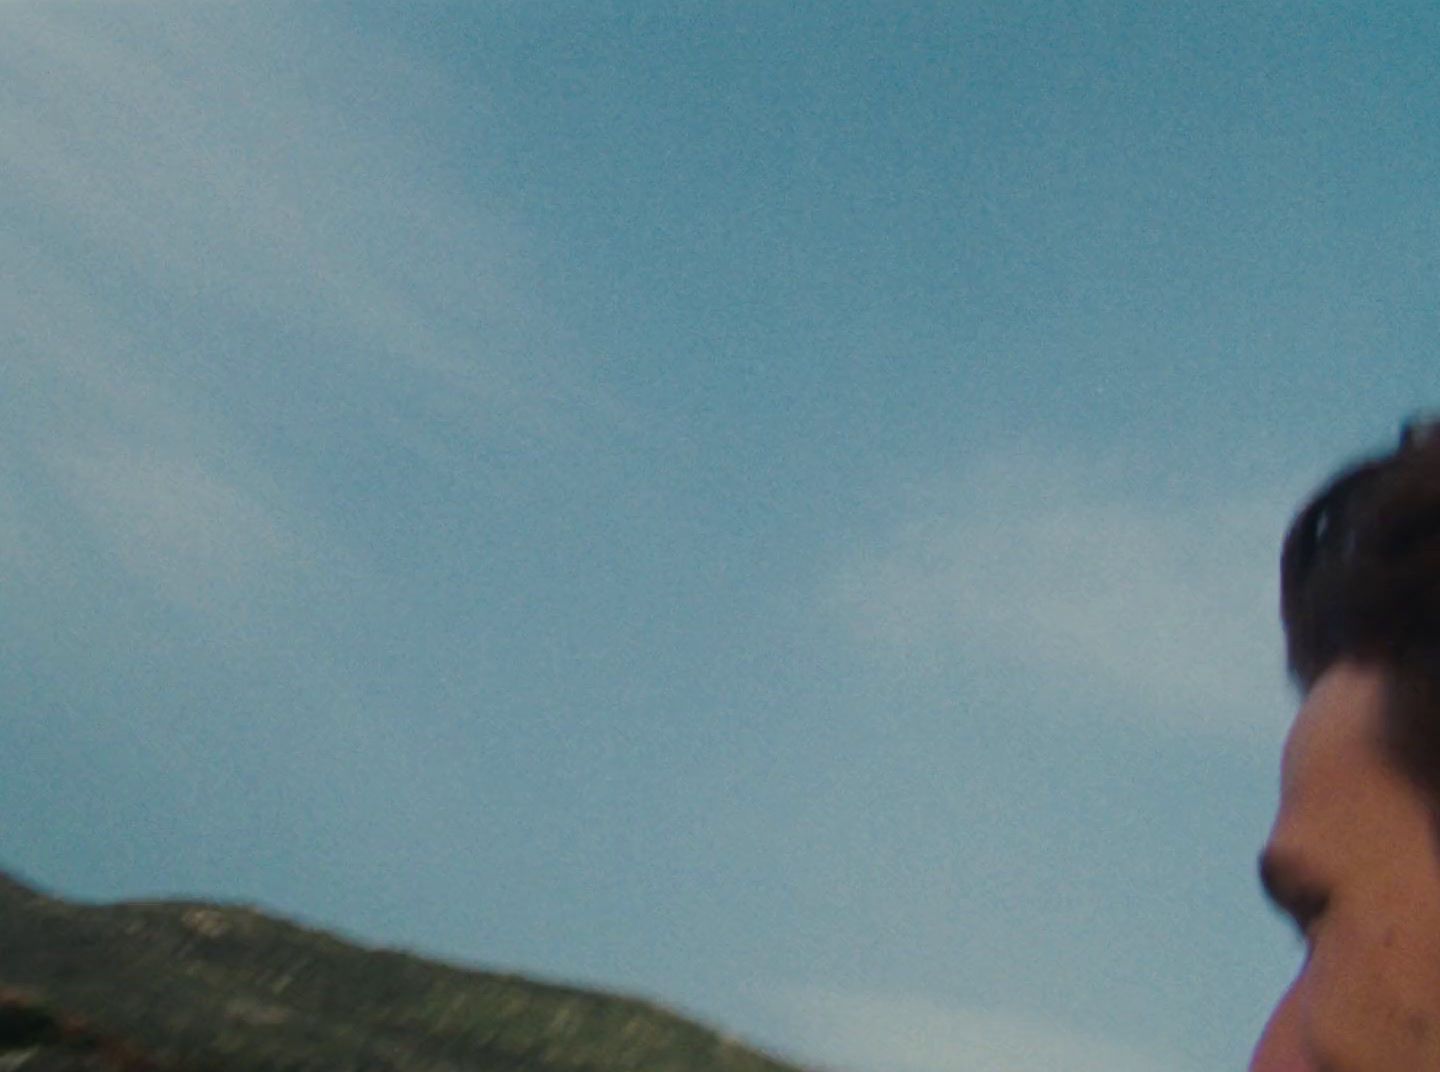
point(197, 537)
point(224, 158)
point(1066, 569)
point(105, 446)
point(851, 1032)
point(234, 265)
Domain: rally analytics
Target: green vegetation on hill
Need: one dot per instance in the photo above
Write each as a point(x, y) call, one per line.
point(205, 986)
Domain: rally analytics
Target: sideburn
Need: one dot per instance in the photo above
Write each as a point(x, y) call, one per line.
point(1412, 725)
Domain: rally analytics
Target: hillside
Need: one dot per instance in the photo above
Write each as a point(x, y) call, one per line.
point(190, 986)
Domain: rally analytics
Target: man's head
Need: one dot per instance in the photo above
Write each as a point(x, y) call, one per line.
point(1354, 856)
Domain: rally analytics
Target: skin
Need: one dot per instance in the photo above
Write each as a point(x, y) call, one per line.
point(1354, 859)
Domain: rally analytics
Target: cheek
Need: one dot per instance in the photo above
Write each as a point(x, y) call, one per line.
point(1411, 981)
point(1361, 1004)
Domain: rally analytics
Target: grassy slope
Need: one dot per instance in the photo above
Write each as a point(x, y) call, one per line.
point(205, 986)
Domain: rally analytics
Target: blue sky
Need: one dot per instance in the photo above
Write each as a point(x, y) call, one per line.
point(768, 507)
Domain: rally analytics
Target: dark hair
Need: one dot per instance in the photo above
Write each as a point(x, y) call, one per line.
point(1360, 580)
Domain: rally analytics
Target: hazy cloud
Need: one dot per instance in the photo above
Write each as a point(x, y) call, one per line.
point(1059, 567)
point(219, 252)
point(178, 524)
point(906, 1033)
